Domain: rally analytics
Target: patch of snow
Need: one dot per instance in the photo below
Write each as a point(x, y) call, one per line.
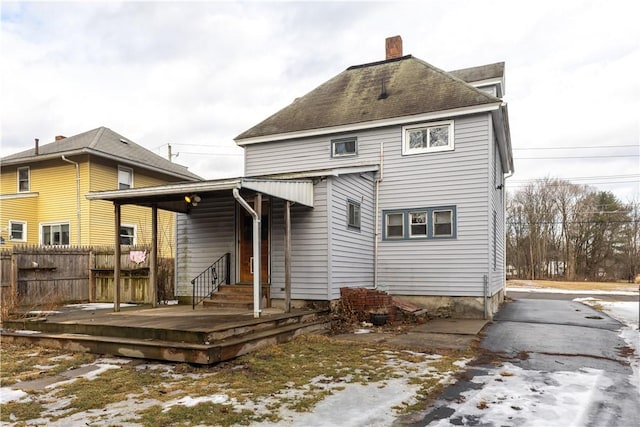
point(193, 401)
point(61, 357)
point(44, 367)
point(26, 332)
point(511, 395)
point(7, 394)
point(362, 331)
point(42, 312)
point(570, 291)
point(113, 361)
point(97, 305)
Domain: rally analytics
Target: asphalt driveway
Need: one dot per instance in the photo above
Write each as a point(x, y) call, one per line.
point(545, 340)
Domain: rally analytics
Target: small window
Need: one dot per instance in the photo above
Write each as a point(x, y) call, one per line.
point(24, 184)
point(442, 223)
point(428, 138)
point(55, 234)
point(18, 231)
point(127, 235)
point(353, 214)
point(343, 147)
point(125, 178)
point(418, 221)
point(395, 225)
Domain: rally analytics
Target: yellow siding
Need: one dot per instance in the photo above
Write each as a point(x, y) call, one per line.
point(55, 182)
point(23, 209)
point(104, 176)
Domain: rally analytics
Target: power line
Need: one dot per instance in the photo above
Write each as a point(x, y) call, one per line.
point(576, 148)
point(576, 157)
point(578, 178)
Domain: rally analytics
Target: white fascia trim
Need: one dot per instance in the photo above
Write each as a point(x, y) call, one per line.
point(372, 124)
point(190, 187)
point(18, 196)
point(324, 172)
point(489, 82)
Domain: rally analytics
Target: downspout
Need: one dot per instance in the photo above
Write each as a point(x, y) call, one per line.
point(376, 235)
point(78, 210)
point(256, 251)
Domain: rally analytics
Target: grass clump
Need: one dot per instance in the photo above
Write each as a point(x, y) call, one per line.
point(20, 411)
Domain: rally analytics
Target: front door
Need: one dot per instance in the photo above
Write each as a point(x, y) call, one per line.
point(245, 245)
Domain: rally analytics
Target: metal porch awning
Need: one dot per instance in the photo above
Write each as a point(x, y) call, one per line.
point(170, 197)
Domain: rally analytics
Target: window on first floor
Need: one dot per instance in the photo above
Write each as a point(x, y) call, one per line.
point(18, 231)
point(353, 214)
point(24, 184)
point(344, 147)
point(128, 235)
point(429, 137)
point(54, 234)
point(125, 178)
point(420, 223)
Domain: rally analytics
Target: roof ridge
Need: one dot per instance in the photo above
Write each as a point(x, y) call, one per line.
point(386, 61)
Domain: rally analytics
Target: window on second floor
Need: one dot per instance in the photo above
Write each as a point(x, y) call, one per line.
point(24, 181)
point(125, 178)
point(54, 234)
point(18, 231)
point(427, 138)
point(128, 235)
point(343, 147)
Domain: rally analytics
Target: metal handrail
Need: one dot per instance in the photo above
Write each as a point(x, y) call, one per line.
point(206, 283)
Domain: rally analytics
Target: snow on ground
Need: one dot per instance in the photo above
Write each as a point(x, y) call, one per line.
point(8, 394)
point(96, 305)
point(568, 291)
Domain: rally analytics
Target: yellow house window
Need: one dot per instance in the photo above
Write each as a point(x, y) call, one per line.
point(55, 234)
point(125, 178)
point(23, 180)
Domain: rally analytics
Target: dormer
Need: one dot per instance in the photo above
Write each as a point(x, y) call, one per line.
point(488, 78)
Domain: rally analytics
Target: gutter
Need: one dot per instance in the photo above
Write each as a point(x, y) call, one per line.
point(78, 210)
point(256, 251)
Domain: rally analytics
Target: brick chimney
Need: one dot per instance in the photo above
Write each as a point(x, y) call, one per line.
point(394, 47)
point(60, 138)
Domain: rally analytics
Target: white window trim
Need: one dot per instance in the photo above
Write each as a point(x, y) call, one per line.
point(135, 232)
point(386, 225)
point(28, 190)
point(405, 140)
point(45, 224)
point(433, 221)
point(344, 140)
point(426, 224)
point(128, 169)
point(24, 231)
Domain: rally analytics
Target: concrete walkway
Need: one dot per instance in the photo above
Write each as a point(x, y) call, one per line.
point(434, 335)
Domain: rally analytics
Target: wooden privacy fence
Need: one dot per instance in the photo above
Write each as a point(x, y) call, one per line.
point(49, 275)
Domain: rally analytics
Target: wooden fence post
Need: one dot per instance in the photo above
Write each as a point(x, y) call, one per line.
point(92, 276)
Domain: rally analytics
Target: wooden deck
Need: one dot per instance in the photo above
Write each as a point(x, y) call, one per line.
point(172, 333)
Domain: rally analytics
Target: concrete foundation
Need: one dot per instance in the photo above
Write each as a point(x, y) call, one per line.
point(457, 307)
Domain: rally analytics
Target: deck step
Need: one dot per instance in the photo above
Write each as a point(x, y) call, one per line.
point(227, 303)
point(172, 351)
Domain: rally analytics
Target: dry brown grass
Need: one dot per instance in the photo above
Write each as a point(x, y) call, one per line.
point(577, 286)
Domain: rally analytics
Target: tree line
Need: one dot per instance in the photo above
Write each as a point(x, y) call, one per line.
point(557, 229)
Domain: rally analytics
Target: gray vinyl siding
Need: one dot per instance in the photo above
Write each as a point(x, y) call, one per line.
point(497, 273)
point(204, 235)
point(448, 267)
point(351, 250)
point(309, 154)
point(309, 260)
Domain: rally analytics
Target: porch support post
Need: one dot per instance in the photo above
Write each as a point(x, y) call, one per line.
point(257, 255)
point(287, 256)
point(256, 250)
point(153, 257)
point(116, 261)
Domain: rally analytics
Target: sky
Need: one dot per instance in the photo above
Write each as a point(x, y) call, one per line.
point(195, 75)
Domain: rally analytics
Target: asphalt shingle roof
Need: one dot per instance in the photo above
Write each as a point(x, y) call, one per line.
point(411, 86)
point(103, 142)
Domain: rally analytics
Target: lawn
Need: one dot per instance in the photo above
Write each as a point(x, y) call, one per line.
point(576, 286)
point(273, 385)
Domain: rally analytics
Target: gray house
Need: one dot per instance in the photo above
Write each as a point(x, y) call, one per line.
point(390, 176)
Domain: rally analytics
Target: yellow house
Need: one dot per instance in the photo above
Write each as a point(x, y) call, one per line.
point(42, 192)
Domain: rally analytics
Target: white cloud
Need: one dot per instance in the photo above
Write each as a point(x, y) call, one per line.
point(201, 73)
